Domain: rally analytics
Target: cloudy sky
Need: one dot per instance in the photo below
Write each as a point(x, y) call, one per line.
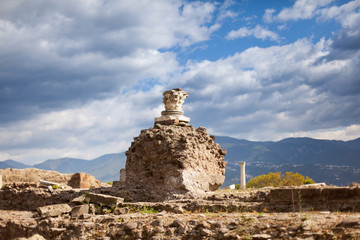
point(82, 78)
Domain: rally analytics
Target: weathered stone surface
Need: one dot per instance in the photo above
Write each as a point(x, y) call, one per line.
point(103, 199)
point(223, 214)
point(79, 200)
point(261, 236)
point(29, 196)
point(350, 222)
point(286, 195)
point(123, 210)
point(172, 159)
point(33, 175)
point(53, 210)
point(77, 211)
point(34, 237)
point(83, 180)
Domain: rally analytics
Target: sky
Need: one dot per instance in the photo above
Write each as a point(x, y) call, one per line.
point(82, 78)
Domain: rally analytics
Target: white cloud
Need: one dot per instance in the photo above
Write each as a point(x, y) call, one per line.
point(264, 93)
point(64, 52)
point(344, 133)
point(268, 15)
point(257, 32)
point(99, 127)
point(302, 9)
point(347, 14)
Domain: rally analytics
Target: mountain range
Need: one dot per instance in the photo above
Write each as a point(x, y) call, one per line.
point(329, 161)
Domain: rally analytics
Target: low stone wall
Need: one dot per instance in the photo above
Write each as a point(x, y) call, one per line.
point(306, 199)
point(30, 196)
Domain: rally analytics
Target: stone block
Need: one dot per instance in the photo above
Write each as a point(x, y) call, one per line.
point(79, 200)
point(77, 211)
point(53, 210)
point(103, 199)
point(83, 180)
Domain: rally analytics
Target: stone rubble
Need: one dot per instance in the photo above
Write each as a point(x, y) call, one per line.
point(163, 225)
point(223, 214)
point(168, 190)
point(53, 210)
point(103, 199)
point(46, 177)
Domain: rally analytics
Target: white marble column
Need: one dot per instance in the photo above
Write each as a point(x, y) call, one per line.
point(173, 100)
point(242, 175)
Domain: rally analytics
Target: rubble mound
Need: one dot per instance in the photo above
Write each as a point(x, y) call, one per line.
point(34, 175)
point(167, 160)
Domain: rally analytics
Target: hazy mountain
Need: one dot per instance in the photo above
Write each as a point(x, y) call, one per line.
point(333, 162)
point(13, 164)
point(64, 165)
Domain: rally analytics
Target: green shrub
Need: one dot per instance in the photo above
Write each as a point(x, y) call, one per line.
point(308, 180)
point(148, 210)
point(277, 180)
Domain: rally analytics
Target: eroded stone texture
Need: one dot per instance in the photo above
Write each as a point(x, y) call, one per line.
point(83, 180)
point(173, 159)
point(33, 175)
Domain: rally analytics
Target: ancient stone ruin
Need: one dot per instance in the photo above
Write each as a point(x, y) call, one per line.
point(166, 165)
point(172, 158)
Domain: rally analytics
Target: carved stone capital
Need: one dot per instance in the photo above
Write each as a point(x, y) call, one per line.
point(173, 100)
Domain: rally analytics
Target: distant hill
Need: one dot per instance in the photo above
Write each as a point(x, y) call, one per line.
point(13, 164)
point(333, 162)
point(64, 165)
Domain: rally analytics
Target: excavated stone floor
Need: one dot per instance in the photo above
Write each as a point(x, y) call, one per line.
point(285, 213)
point(164, 225)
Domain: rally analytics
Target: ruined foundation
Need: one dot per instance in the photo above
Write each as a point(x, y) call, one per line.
point(169, 160)
point(172, 158)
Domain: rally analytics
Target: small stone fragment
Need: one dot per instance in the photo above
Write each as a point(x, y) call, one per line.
point(261, 236)
point(79, 200)
point(350, 222)
point(103, 199)
point(53, 210)
point(77, 211)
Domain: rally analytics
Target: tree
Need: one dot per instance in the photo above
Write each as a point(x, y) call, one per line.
point(277, 180)
point(271, 179)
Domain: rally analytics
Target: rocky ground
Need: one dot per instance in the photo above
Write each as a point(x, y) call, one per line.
point(165, 225)
point(320, 213)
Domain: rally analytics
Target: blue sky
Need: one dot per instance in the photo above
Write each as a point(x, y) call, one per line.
point(81, 79)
